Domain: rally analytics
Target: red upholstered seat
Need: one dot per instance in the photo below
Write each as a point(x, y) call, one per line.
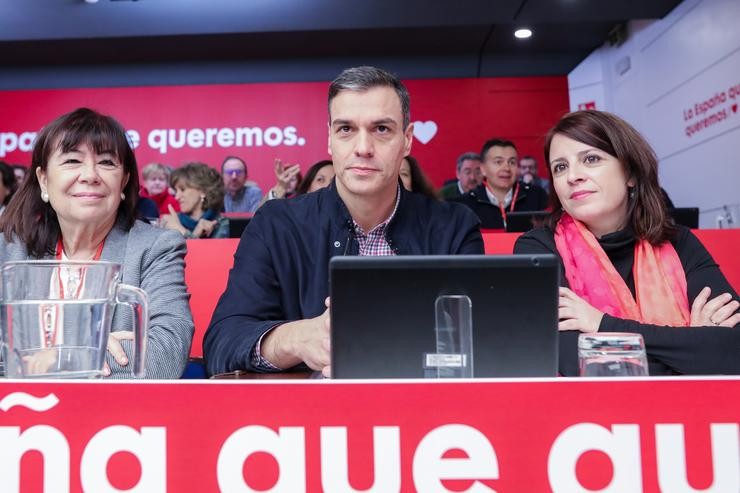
point(207, 266)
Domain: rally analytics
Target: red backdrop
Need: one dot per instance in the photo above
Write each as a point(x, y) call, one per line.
point(288, 120)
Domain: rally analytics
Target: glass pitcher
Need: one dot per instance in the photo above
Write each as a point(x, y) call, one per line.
point(56, 318)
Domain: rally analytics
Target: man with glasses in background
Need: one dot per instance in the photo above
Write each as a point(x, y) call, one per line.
point(240, 195)
point(468, 176)
point(501, 192)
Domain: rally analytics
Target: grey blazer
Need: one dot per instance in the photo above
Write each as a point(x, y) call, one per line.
point(152, 259)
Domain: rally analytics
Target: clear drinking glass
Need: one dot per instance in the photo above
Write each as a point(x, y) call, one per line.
point(612, 354)
point(56, 318)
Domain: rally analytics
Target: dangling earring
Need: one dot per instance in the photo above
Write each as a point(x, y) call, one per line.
point(631, 192)
point(123, 196)
point(202, 199)
point(44, 196)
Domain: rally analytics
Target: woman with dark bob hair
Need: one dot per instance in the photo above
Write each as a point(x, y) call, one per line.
point(200, 191)
point(625, 266)
point(78, 202)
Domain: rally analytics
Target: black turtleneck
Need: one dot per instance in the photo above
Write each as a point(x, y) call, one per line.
point(671, 350)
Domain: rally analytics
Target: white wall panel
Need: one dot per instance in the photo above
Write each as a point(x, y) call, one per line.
point(675, 65)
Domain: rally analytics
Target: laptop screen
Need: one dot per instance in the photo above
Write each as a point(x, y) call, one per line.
point(383, 313)
point(522, 221)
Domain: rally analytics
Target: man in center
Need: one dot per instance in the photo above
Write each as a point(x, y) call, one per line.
point(274, 313)
point(502, 193)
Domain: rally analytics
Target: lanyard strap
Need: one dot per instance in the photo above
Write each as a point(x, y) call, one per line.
point(512, 205)
point(50, 315)
point(60, 250)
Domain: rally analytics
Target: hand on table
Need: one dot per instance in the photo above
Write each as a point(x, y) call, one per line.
point(306, 341)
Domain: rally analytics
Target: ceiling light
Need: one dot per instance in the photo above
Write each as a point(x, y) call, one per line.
point(523, 33)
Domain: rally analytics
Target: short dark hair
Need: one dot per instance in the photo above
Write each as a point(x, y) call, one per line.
point(495, 142)
point(307, 180)
point(223, 163)
point(360, 79)
point(614, 136)
point(34, 221)
point(204, 178)
point(467, 156)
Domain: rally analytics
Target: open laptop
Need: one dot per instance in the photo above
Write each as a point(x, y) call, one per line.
point(383, 313)
point(522, 221)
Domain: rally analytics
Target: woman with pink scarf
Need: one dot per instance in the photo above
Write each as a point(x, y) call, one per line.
point(625, 265)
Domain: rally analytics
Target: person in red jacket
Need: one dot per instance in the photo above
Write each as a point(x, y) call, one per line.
point(156, 187)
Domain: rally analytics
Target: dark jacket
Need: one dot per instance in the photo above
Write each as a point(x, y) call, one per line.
point(281, 266)
point(450, 190)
point(529, 198)
point(670, 350)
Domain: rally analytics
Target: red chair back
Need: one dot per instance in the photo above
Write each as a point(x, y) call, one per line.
point(207, 266)
point(723, 245)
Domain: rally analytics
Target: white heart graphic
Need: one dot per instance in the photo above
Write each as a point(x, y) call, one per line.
point(425, 131)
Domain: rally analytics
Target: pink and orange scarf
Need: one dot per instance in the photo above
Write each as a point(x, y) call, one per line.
point(660, 281)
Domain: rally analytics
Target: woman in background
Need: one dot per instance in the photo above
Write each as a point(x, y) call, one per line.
point(156, 187)
point(414, 179)
point(78, 202)
point(20, 173)
point(8, 184)
point(625, 266)
point(199, 189)
point(318, 176)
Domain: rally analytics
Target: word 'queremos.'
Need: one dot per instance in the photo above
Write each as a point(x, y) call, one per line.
point(165, 139)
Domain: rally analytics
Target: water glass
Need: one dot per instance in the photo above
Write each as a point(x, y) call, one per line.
point(612, 354)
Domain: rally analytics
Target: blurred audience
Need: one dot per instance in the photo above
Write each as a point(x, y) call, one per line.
point(20, 172)
point(200, 191)
point(156, 187)
point(8, 184)
point(240, 195)
point(287, 179)
point(414, 179)
point(147, 211)
point(318, 176)
point(469, 176)
point(527, 173)
point(501, 192)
